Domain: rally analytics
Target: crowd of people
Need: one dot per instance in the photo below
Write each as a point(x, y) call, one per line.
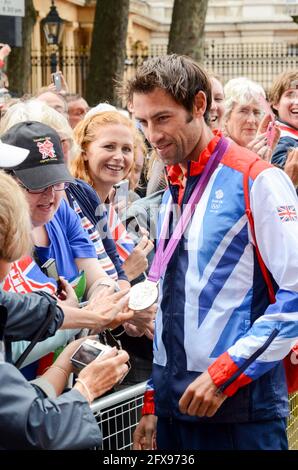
point(194, 191)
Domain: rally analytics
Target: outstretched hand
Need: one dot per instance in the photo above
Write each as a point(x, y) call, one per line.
point(142, 322)
point(103, 373)
point(4, 51)
point(111, 311)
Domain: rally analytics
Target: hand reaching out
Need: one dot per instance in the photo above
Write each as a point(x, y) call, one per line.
point(103, 373)
point(67, 295)
point(111, 311)
point(142, 322)
point(4, 51)
point(137, 261)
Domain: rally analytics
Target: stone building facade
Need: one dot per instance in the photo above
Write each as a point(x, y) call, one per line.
point(241, 36)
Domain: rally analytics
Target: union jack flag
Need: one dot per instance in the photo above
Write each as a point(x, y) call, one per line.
point(287, 213)
point(25, 276)
point(124, 243)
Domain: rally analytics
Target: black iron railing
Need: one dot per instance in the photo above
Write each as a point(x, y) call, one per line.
point(260, 62)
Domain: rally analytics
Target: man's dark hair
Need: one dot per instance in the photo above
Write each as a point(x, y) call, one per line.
point(178, 75)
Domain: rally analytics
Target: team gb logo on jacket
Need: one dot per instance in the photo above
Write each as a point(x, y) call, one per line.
point(46, 149)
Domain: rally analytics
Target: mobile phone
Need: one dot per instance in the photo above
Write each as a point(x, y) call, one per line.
point(56, 78)
point(88, 351)
point(270, 133)
point(133, 227)
point(121, 189)
point(49, 268)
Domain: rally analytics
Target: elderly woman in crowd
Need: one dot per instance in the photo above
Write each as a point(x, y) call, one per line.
point(244, 120)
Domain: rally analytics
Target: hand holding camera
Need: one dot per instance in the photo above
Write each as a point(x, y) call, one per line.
point(87, 352)
point(101, 374)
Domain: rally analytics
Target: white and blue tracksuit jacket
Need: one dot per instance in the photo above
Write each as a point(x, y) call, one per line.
point(214, 311)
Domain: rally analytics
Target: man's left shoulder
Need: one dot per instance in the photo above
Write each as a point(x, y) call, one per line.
point(241, 159)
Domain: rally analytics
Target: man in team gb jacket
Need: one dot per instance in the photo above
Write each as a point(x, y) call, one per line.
point(218, 380)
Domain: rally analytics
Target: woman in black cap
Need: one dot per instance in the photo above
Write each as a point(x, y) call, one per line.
point(34, 416)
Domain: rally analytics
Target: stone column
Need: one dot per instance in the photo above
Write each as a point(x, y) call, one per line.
point(36, 75)
point(69, 53)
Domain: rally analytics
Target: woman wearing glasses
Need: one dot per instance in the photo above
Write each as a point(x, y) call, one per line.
point(56, 229)
point(244, 120)
point(80, 196)
point(38, 415)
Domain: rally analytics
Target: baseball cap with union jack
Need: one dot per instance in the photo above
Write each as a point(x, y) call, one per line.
point(45, 164)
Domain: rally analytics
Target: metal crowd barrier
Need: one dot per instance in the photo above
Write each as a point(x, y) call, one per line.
point(293, 422)
point(118, 414)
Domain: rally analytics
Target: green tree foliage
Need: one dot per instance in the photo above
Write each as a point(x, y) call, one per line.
point(108, 50)
point(19, 60)
point(187, 28)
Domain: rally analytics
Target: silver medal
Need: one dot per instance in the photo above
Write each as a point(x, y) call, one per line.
point(143, 295)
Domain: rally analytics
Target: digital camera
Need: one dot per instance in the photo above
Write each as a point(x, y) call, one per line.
point(88, 351)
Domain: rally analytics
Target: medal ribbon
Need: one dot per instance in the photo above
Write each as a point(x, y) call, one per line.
point(163, 255)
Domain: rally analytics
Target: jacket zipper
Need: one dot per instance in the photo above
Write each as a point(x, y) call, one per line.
point(170, 362)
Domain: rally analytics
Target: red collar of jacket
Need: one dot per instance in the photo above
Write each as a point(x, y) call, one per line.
point(175, 172)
